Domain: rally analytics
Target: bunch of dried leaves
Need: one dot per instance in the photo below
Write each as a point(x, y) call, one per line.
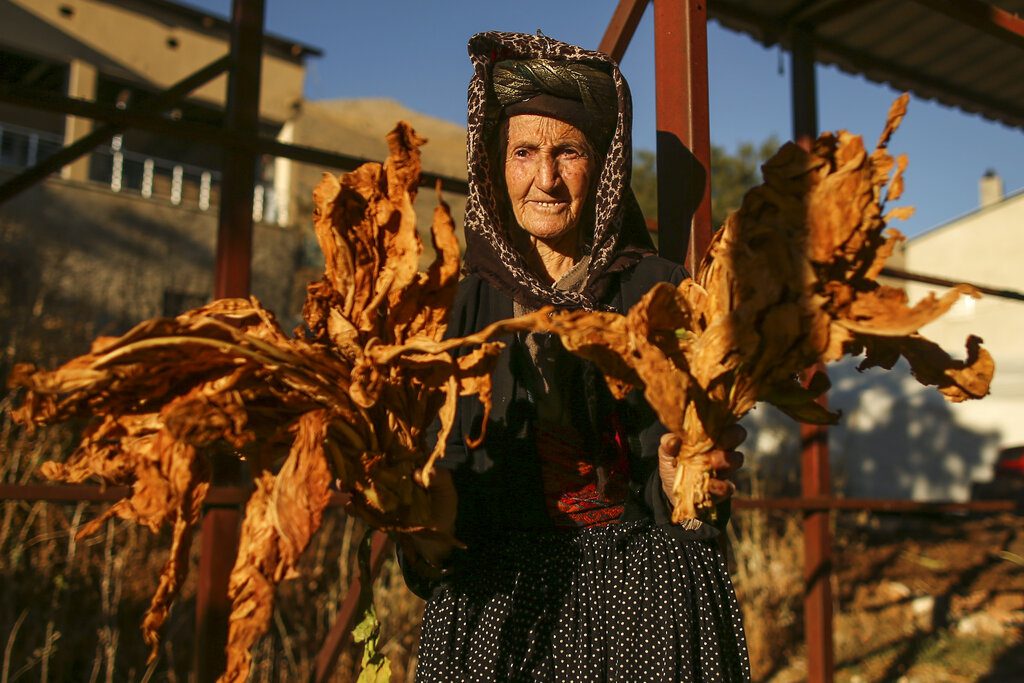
point(788, 281)
point(349, 397)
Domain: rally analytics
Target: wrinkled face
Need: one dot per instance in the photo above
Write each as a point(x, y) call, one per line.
point(549, 166)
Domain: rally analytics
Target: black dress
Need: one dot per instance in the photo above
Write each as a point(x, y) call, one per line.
point(536, 599)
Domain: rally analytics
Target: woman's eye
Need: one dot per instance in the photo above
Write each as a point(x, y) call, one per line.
point(521, 153)
point(571, 153)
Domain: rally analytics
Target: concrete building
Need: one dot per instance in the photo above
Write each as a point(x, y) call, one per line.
point(118, 52)
point(129, 231)
point(983, 246)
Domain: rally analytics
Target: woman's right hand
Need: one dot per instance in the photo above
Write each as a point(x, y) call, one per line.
point(724, 461)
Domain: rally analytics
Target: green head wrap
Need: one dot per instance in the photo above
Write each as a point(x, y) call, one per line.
point(575, 92)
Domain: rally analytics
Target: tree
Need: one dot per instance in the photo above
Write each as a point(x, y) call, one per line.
point(732, 174)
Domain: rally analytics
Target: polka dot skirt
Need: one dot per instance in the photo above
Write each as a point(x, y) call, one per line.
point(623, 602)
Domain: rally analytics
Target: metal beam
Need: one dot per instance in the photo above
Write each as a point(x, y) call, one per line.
point(221, 525)
point(77, 493)
point(622, 27)
point(66, 155)
point(684, 136)
point(816, 478)
point(804, 91)
point(203, 133)
point(238, 175)
point(815, 13)
point(898, 274)
point(824, 503)
point(925, 86)
point(235, 495)
point(987, 18)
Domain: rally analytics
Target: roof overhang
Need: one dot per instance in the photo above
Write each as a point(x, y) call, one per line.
point(967, 54)
point(202, 20)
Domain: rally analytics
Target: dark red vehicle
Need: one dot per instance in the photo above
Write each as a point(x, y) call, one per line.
point(1011, 462)
point(1007, 477)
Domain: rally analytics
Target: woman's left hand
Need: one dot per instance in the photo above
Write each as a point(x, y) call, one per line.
point(725, 460)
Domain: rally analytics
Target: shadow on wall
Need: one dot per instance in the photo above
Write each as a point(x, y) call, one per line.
point(896, 439)
point(76, 262)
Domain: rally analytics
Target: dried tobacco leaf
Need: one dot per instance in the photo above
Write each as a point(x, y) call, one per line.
point(788, 281)
point(349, 397)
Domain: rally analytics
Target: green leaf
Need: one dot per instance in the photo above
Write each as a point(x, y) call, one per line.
point(375, 666)
point(367, 627)
point(379, 672)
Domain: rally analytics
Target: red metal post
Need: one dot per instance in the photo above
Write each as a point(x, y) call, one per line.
point(231, 279)
point(234, 232)
point(217, 550)
point(816, 476)
point(622, 27)
point(684, 134)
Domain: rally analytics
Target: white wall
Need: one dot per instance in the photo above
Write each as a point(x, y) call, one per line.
point(898, 439)
point(986, 247)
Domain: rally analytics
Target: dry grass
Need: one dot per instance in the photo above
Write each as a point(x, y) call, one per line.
point(767, 559)
point(915, 599)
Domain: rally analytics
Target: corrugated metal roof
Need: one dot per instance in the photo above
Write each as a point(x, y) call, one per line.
point(953, 51)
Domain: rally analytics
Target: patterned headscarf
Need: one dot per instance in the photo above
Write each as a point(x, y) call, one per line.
point(619, 236)
point(578, 93)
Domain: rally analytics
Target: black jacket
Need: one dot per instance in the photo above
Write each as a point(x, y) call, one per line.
point(499, 483)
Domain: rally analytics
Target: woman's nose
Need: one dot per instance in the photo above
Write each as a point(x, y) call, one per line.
point(547, 172)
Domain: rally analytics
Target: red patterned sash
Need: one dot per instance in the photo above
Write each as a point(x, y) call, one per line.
point(573, 492)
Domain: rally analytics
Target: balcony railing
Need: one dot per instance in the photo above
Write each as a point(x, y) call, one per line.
point(125, 171)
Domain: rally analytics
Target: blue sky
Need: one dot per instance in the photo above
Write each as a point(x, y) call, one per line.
point(415, 52)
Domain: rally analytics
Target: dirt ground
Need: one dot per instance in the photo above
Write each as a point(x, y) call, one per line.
point(934, 600)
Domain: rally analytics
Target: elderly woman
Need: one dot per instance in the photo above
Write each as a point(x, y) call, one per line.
point(572, 570)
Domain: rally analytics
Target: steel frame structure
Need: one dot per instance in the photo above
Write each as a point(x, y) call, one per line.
point(683, 158)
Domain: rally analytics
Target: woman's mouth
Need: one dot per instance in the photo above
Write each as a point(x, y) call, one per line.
point(552, 206)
